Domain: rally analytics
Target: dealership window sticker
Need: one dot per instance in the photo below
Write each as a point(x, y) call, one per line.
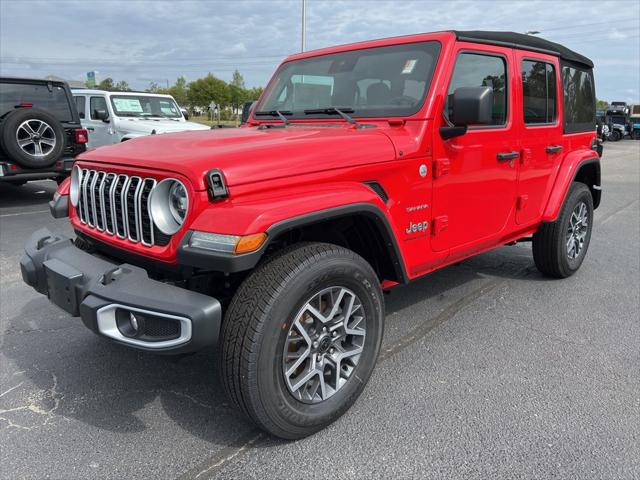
point(128, 105)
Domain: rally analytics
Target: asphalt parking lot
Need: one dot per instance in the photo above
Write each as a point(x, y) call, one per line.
point(488, 370)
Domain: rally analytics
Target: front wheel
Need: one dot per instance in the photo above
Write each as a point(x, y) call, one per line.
point(560, 247)
point(301, 338)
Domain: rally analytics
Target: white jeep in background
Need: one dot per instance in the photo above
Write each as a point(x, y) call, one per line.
point(113, 117)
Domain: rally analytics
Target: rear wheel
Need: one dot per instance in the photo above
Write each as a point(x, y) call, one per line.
point(560, 247)
point(301, 337)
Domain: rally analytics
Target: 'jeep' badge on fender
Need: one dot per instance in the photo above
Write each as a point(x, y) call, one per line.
point(417, 227)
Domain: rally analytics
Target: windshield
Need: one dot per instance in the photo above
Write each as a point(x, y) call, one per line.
point(374, 82)
point(144, 106)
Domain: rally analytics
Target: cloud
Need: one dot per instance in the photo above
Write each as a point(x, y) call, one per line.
point(164, 39)
point(236, 49)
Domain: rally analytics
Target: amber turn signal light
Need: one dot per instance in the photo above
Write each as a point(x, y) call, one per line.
point(249, 243)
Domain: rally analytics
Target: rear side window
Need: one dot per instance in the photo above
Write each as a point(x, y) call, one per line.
point(53, 100)
point(579, 99)
point(80, 105)
point(478, 70)
point(95, 104)
point(538, 92)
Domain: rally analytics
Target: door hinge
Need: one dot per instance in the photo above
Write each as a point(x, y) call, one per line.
point(439, 224)
point(441, 167)
point(522, 202)
point(525, 157)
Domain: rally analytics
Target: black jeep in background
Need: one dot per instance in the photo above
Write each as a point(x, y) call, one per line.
point(40, 131)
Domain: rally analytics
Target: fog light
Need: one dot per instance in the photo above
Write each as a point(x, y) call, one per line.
point(130, 324)
point(134, 322)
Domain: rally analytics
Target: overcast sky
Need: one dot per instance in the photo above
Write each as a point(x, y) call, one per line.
point(156, 40)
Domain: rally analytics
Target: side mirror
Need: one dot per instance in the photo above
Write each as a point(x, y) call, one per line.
point(101, 115)
point(246, 111)
point(185, 113)
point(468, 106)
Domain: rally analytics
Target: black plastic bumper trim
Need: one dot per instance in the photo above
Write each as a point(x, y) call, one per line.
point(81, 284)
point(59, 206)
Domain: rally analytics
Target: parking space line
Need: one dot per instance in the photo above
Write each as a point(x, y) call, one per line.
point(22, 213)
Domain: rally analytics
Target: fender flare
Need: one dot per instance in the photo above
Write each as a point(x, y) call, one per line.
point(565, 177)
point(236, 263)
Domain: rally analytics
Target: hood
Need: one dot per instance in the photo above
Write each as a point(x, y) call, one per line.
point(251, 154)
point(147, 125)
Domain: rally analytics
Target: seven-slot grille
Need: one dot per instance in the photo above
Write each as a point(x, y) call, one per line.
point(118, 204)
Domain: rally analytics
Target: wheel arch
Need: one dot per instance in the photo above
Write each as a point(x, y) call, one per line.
point(583, 167)
point(360, 227)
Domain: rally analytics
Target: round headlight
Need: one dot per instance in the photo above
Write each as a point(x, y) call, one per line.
point(178, 202)
point(74, 186)
point(168, 205)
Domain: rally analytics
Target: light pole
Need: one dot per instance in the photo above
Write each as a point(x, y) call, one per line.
point(304, 25)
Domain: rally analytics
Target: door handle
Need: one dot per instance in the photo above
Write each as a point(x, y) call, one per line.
point(507, 156)
point(554, 148)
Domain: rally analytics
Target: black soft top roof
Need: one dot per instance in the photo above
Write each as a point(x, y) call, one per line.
point(523, 42)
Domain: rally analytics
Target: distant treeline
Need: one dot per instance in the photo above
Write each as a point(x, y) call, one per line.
point(198, 94)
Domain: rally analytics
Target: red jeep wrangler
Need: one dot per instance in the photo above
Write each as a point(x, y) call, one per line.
point(361, 167)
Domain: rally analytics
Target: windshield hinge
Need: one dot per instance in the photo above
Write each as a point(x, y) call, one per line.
point(397, 122)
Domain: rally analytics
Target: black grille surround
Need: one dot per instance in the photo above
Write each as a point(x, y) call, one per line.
point(118, 205)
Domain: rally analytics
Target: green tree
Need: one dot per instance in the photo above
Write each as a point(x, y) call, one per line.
point(207, 89)
point(237, 80)
point(602, 104)
point(153, 88)
point(253, 94)
point(237, 96)
point(121, 86)
point(179, 91)
point(106, 84)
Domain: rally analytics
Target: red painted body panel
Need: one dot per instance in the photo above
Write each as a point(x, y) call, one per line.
point(63, 188)
point(473, 202)
point(536, 166)
point(566, 173)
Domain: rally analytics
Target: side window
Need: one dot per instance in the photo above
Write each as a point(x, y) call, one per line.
point(80, 105)
point(538, 92)
point(482, 70)
point(579, 99)
point(97, 103)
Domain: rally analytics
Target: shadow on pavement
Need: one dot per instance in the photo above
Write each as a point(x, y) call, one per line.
point(29, 194)
point(111, 387)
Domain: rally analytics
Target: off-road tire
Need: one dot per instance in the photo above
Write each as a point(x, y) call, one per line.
point(550, 241)
point(257, 323)
point(12, 123)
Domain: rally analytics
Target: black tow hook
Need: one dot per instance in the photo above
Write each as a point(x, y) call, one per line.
point(111, 276)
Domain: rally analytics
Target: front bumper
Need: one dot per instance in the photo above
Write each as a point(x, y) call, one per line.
point(169, 319)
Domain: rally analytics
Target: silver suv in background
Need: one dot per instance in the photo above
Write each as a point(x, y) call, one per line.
point(113, 117)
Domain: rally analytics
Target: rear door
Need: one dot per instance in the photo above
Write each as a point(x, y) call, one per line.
point(539, 122)
point(475, 174)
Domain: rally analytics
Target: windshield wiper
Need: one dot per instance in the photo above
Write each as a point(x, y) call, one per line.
point(333, 110)
point(279, 113)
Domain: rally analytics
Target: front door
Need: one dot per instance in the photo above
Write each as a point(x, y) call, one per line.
point(540, 132)
point(475, 174)
point(99, 130)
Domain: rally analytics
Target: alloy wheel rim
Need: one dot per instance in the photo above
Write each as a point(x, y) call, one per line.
point(36, 138)
point(324, 344)
point(577, 230)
